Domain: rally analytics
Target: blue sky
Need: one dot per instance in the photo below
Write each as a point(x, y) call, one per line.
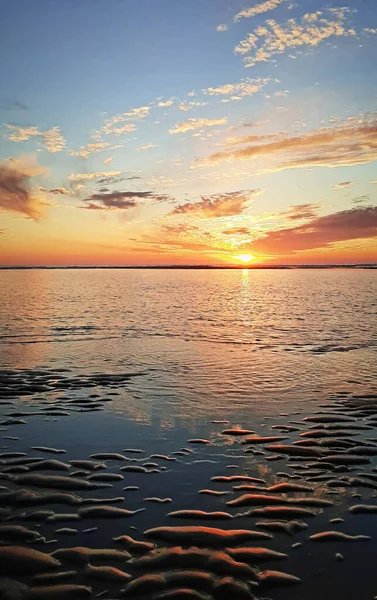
point(241, 112)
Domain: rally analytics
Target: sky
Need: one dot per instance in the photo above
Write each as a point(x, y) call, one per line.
point(193, 132)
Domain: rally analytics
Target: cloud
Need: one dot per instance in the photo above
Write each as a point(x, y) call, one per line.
point(119, 130)
point(90, 176)
point(16, 192)
point(185, 106)
point(89, 149)
point(361, 199)
point(258, 9)
point(148, 146)
point(246, 87)
point(107, 161)
point(321, 232)
point(119, 200)
point(22, 134)
point(342, 185)
point(193, 124)
point(52, 139)
point(300, 212)
point(273, 39)
point(237, 231)
point(351, 143)
point(135, 114)
point(59, 191)
point(180, 229)
point(165, 104)
point(217, 205)
point(8, 104)
point(160, 180)
point(222, 27)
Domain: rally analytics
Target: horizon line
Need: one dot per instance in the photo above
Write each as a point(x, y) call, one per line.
point(192, 267)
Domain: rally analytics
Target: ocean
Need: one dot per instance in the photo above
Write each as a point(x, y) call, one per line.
point(162, 362)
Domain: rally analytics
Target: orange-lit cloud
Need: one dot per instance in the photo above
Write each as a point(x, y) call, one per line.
point(218, 205)
point(321, 232)
point(90, 176)
point(16, 192)
point(127, 128)
point(135, 114)
point(258, 9)
point(148, 146)
point(246, 87)
point(193, 124)
point(237, 231)
point(186, 106)
point(52, 139)
point(350, 143)
point(22, 134)
point(89, 149)
point(165, 104)
point(272, 39)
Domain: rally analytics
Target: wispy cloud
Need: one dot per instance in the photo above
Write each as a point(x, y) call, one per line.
point(193, 124)
point(300, 212)
point(246, 87)
point(365, 198)
point(258, 9)
point(217, 205)
point(62, 191)
point(166, 103)
point(237, 231)
point(222, 27)
point(16, 192)
point(135, 114)
point(8, 104)
point(119, 200)
point(111, 130)
point(89, 149)
point(186, 106)
point(22, 134)
point(351, 143)
point(148, 146)
point(272, 39)
point(108, 160)
point(342, 185)
point(322, 232)
point(52, 139)
point(90, 176)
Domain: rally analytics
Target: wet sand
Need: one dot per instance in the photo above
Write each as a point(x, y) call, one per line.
point(284, 507)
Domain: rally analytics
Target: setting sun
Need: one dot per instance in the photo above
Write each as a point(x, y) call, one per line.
point(246, 258)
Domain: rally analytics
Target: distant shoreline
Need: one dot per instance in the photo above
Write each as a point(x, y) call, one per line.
point(189, 267)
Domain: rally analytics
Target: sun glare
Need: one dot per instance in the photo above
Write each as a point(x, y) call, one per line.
point(246, 258)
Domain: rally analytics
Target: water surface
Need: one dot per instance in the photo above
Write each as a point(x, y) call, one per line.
point(254, 348)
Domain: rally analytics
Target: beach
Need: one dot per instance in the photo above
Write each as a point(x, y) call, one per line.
point(188, 434)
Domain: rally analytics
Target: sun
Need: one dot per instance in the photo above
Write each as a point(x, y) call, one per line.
point(246, 258)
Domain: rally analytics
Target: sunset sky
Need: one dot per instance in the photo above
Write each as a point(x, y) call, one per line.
point(188, 132)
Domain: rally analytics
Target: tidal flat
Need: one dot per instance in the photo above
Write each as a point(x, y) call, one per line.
point(178, 466)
